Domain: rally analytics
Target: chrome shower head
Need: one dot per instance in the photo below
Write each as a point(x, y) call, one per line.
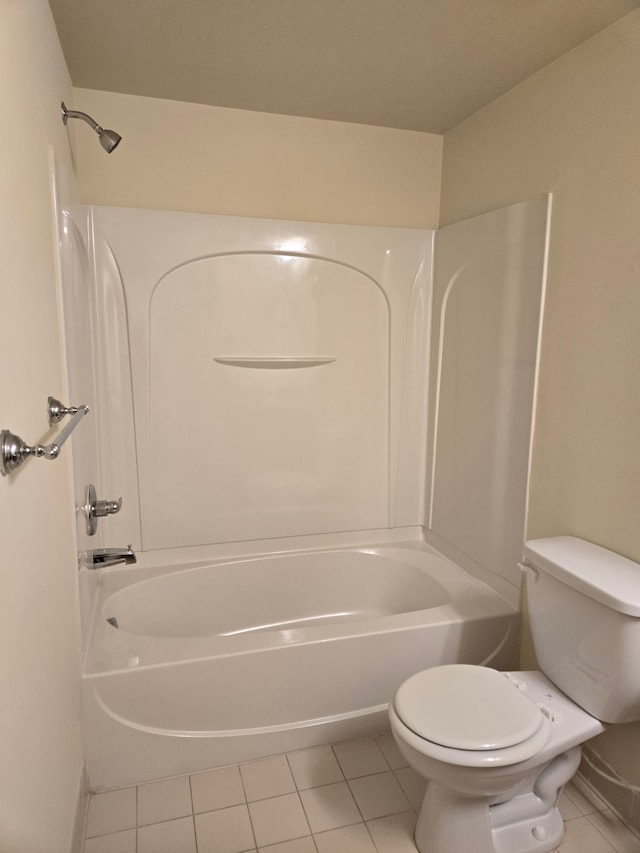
point(109, 139)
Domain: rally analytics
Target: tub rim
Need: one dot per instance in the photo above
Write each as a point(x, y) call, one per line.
point(113, 650)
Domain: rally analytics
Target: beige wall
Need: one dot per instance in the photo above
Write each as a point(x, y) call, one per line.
point(39, 712)
point(574, 129)
point(178, 156)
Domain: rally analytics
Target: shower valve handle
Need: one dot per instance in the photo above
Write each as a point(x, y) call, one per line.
point(101, 508)
point(95, 509)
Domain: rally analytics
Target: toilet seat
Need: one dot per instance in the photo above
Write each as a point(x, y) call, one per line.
point(470, 715)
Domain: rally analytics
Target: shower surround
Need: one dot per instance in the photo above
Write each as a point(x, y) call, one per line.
point(272, 396)
point(276, 371)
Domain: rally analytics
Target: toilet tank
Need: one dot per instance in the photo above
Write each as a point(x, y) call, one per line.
point(584, 609)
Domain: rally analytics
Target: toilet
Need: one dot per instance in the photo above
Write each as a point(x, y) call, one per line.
point(496, 748)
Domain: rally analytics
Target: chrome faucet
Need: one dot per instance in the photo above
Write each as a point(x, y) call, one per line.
point(102, 557)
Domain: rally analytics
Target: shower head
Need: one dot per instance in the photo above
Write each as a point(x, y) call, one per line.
point(109, 139)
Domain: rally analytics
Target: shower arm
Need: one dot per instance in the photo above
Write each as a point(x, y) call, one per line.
point(109, 139)
point(67, 114)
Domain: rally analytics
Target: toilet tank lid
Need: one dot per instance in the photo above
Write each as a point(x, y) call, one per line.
point(603, 575)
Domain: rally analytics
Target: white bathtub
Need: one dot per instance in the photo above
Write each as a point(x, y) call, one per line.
point(224, 662)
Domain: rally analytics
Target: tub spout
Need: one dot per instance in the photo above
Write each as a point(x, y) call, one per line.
point(101, 557)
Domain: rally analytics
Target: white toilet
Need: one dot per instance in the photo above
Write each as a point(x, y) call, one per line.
point(496, 748)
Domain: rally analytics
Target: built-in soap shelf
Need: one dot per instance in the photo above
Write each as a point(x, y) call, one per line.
point(273, 362)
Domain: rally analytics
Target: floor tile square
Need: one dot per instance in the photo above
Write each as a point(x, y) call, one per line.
point(111, 812)
point(394, 834)
point(217, 789)
point(582, 837)
point(313, 767)
point(172, 836)
point(378, 795)
point(330, 807)
point(225, 831)
point(360, 758)
point(116, 842)
point(347, 839)
point(269, 777)
point(389, 748)
point(298, 845)
point(278, 819)
point(165, 800)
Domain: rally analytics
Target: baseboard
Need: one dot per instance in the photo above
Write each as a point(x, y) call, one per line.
point(80, 817)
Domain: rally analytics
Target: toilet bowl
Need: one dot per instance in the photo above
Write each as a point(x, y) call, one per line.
point(472, 716)
point(497, 748)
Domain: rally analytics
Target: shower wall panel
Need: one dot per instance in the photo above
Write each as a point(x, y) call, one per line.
point(487, 295)
point(76, 319)
point(276, 372)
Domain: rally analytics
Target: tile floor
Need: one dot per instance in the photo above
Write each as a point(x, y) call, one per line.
point(354, 797)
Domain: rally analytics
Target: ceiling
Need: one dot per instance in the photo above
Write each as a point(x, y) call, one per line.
point(421, 65)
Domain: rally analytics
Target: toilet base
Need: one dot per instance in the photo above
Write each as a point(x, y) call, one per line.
point(531, 822)
point(452, 823)
point(537, 835)
point(528, 822)
point(449, 823)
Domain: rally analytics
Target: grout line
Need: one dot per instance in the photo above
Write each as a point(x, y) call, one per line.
point(246, 805)
point(286, 758)
point(193, 813)
point(371, 836)
point(395, 776)
point(356, 802)
point(244, 790)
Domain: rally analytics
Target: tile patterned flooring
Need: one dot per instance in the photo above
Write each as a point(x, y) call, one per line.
point(354, 797)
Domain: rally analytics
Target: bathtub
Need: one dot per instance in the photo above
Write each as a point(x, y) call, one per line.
point(219, 662)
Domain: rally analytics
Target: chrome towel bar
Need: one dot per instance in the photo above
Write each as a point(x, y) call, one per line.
point(14, 449)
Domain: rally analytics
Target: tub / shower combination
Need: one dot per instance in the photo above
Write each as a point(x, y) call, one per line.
point(332, 376)
point(218, 662)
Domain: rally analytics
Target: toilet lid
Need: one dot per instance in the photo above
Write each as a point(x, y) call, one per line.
point(466, 707)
